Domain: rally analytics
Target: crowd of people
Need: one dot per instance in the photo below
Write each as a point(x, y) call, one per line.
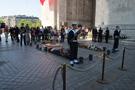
point(33, 34)
point(28, 34)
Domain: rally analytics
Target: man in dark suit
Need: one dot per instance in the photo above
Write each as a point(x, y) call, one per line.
point(100, 35)
point(107, 34)
point(94, 33)
point(116, 38)
point(72, 41)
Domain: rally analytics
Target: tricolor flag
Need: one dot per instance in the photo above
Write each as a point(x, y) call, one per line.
point(42, 2)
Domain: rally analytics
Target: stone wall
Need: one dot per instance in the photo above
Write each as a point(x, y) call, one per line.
point(110, 13)
point(79, 11)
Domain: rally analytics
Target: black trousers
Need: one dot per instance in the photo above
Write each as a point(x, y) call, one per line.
point(24, 38)
point(43, 37)
point(100, 39)
point(62, 37)
point(106, 39)
point(12, 37)
point(116, 43)
point(17, 38)
point(33, 38)
point(95, 37)
point(73, 51)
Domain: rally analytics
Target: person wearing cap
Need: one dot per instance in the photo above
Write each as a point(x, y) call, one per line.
point(116, 38)
point(72, 41)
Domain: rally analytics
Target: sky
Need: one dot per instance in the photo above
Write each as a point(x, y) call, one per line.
point(20, 7)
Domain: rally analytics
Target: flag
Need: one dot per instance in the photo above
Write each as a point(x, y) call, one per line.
point(42, 2)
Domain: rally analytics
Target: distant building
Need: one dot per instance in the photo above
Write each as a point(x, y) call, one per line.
point(13, 20)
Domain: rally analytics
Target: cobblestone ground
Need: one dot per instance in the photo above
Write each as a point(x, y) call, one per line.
point(26, 68)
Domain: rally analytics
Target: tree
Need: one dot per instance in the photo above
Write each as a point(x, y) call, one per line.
point(38, 24)
point(31, 24)
point(1, 21)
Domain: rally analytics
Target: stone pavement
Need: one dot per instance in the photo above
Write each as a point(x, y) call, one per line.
point(26, 68)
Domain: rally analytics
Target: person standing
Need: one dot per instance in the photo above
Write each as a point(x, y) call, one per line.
point(6, 31)
point(0, 33)
point(72, 41)
point(94, 33)
point(100, 35)
point(107, 34)
point(46, 33)
point(17, 32)
point(11, 31)
point(32, 34)
point(23, 34)
point(116, 38)
point(27, 36)
point(43, 36)
point(62, 34)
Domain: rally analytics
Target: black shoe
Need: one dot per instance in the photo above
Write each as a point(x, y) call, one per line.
point(72, 65)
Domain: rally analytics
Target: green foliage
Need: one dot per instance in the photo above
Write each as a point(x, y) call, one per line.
point(31, 24)
point(1, 21)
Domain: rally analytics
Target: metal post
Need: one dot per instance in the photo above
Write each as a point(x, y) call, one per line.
point(103, 67)
point(102, 80)
point(108, 52)
point(81, 60)
point(90, 57)
point(37, 46)
point(122, 66)
point(104, 48)
point(64, 76)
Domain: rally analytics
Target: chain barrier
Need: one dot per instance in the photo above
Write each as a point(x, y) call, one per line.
point(130, 48)
point(55, 76)
point(86, 58)
point(114, 57)
point(83, 70)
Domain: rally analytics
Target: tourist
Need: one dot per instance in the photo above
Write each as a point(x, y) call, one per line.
point(62, 34)
point(0, 33)
point(72, 41)
point(39, 34)
point(6, 31)
point(12, 33)
point(27, 27)
point(51, 32)
point(46, 32)
point(55, 33)
point(23, 34)
point(107, 34)
point(94, 33)
point(36, 33)
point(43, 36)
point(27, 34)
point(116, 36)
point(100, 35)
point(17, 32)
point(32, 34)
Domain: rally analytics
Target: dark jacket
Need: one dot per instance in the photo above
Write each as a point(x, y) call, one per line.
point(116, 34)
point(62, 31)
point(71, 36)
point(17, 31)
point(94, 32)
point(100, 33)
point(107, 33)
